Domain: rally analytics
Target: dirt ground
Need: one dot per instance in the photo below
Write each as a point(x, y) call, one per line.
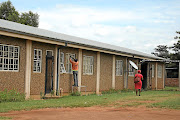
point(96, 113)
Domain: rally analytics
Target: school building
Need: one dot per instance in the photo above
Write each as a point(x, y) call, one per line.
point(34, 61)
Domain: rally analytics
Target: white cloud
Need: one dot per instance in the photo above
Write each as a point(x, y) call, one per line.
point(97, 24)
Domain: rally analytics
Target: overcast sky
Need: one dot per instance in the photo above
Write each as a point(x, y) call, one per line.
point(136, 24)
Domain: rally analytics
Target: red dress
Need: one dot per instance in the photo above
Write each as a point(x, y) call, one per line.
point(139, 84)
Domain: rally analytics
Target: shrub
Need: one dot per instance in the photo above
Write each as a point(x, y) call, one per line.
point(11, 96)
point(76, 94)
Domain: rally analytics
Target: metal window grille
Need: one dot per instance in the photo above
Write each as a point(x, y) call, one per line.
point(9, 57)
point(37, 60)
point(68, 63)
point(131, 70)
point(119, 67)
point(88, 62)
point(159, 71)
point(152, 70)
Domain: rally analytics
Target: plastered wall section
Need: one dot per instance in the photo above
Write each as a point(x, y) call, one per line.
point(106, 61)
point(131, 78)
point(9, 79)
point(119, 80)
point(38, 79)
point(66, 79)
point(89, 80)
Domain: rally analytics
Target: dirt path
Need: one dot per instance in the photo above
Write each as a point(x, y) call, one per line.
point(95, 113)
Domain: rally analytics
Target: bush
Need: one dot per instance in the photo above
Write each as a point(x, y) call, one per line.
point(76, 94)
point(11, 96)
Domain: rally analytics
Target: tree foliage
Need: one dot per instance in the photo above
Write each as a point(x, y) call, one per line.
point(8, 12)
point(164, 50)
point(161, 51)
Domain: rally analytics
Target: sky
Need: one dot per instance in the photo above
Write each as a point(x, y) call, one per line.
point(135, 24)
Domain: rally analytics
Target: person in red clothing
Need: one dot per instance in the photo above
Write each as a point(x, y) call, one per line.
point(138, 85)
point(75, 70)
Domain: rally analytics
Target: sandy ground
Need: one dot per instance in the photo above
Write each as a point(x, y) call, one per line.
point(96, 113)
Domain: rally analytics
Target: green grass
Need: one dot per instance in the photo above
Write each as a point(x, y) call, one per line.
point(162, 99)
point(171, 88)
point(5, 118)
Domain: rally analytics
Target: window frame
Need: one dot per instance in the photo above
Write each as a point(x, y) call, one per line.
point(159, 71)
point(14, 59)
point(40, 60)
point(88, 65)
point(153, 70)
point(68, 63)
point(130, 70)
point(119, 67)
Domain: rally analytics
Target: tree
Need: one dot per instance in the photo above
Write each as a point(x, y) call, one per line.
point(161, 51)
point(176, 48)
point(29, 19)
point(8, 12)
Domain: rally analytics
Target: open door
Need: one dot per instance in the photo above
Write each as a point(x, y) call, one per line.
point(144, 73)
point(49, 72)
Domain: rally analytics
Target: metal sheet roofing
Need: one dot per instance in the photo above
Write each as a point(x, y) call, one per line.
point(34, 31)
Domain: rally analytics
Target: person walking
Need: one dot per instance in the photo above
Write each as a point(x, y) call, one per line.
point(138, 85)
point(75, 70)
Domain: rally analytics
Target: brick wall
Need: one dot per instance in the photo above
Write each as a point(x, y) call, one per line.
point(173, 82)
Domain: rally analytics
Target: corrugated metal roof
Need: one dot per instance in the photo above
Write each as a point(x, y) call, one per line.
point(24, 29)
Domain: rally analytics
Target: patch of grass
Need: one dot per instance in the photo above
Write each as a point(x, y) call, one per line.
point(171, 88)
point(5, 118)
point(173, 103)
point(114, 99)
point(11, 96)
point(110, 91)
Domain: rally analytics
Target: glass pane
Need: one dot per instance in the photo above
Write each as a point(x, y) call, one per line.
point(15, 67)
point(16, 49)
point(0, 66)
point(1, 54)
point(10, 61)
point(35, 54)
point(16, 61)
point(1, 47)
point(1, 60)
point(5, 67)
point(34, 66)
point(6, 48)
point(5, 54)
point(39, 54)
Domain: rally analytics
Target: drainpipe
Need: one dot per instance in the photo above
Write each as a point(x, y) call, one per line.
point(57, 87)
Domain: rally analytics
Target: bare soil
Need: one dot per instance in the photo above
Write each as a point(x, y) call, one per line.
point(96, 113)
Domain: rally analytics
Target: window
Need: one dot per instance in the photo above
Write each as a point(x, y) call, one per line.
point(62, 69)
point(68, 63)
point(152, 70)
point(119, 67)
point(88, 65)
point(131, 70)
point(159, 71)
point(9, 58)
point(37, 60)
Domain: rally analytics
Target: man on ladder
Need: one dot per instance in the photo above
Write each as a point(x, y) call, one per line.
point(75, 70)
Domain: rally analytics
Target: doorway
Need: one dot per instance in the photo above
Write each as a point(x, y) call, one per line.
point(144, 73)
point(49, 71)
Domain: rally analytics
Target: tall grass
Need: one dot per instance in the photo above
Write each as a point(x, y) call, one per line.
point(11, 96)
